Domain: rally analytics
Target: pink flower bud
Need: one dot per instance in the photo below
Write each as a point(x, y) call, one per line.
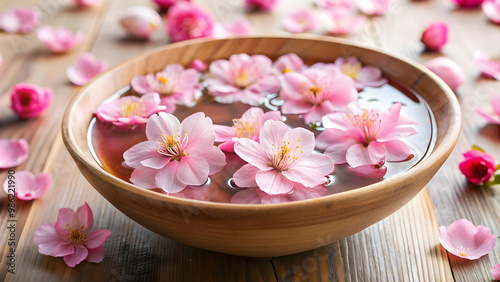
point(447, 70)
point(140, 21)
point(468, 3)
point(198, 65)
point(478, 166)
point(435, 36)
point(165, 4)
point(262, 5)
point(30, 100)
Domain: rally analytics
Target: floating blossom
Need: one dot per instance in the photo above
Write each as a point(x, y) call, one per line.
point(174, 84)
point(20, 20)
point(492, 10)
point(58, 40)
point(447, 70)
point(300, 21)
point(315, 93)
point(262, 5)
point(468, 3)
point(257, 196)
point(495, 116)
point(283, 158)
point(231, 28)
point(341, 21)
point(288, 63)
point(187, 21)
point(86, 68)
point(70, 237)
point(198, 65)
point(489, 68)
point(242, 78)
point(176, 154)
point(130, 111)
point(363, 76)
point(435, 36)
point(373, 7)
point(248, 126)
point(478, 167)
point(165, 4)
point(366, 137)
point(465, 240)
point(14, 152)
point(28, 187)
point(85, 3)
point(29, 100)
point(140, 21)
point(495, 271)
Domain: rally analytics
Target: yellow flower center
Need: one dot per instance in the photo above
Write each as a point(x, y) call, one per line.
point(77, 234)
point(463, 252)
point(285, 70)
point(284, 155)
point(129, 109)
point(367, 122)
point(351, 69)
point(314, 95)
point(162, 79)
point(245, 127)
point(172, 146)
point(242, 79)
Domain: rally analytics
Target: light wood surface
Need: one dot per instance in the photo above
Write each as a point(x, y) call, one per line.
point(402, 247)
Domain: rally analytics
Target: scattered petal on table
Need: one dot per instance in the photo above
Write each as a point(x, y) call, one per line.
point(14, 152)
point(20, 20)
point(140, 21)
point(447, 70)
point(87, 67)
point(27, 186)
point(489, 67)
point(58, 40)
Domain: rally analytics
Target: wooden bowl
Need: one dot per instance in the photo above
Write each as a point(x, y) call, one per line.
point(272, 229)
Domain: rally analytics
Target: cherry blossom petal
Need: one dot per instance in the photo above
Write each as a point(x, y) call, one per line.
point(29, 187)
point(273, 182)
point(63, 249)
point(144, 177)
point(193, 170)
point(140, 21)
point(199, 129)
point(252, 152)
point(370, 76)
point(215, 158)
point(157, 162)
point(64, 216)
point(78, 256)
point(491, 9)
point(245, 176)
point(489, 68)
point(46, 238)
point(398, 151)
point(187, 20)
point(14, 152)
point(300, 172)
point(273, 133)
point(167, 180)
point(97, 238)
point(495, 271)
point(86, 69)
point(368, 171)
point(358, 155)
point(300, 192)
point(232, 28)
point(58, 40)
point(140, 152)
point(247, 196)
point(300, 21)
point(84, 216)
point(162, 123)
point(447, 70)
point(435, 36)
point(95, 255)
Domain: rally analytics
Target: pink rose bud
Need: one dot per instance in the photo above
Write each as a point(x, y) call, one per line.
point(435, 36)
point(447, 70)
point(186, 20)
point(30, 100)
point(198, 65)
point(478, 167)
point(468, 3)
point(140, 21)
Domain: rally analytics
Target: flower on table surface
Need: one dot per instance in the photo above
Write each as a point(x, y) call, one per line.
point(70, 237)
point(14, 152)
point(468, 3)
point(489, 68)
point(465, 240)
point(86, 68)
point(27, 186)
point(58, 40)
point(447, 70)
point(175, 85)
point(85, 3)
point(261, 5)
point(495, 271)
point(176, 154)
point(315, 93)
point(257, 196)
point(341, 20)
point(281, 159)
point(248, 126)
point(29, 100)
point(130, 111)
point(362, 75)
point(165, 4)
point(186, 20)
point(491, 9)
point(373, 7)
point(478, 166)
point(231, 28)
point(495, 116)
point(366, 137)
point(243, 78)
point(300, 21)
point(140, 21)
point(435, 36)
point(20, 20)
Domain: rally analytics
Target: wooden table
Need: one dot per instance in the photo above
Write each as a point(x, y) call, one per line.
point(403, 247)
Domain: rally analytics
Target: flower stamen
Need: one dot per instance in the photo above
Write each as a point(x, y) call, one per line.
point(352, 69)
point(172, 146)
point(245, 127)
point(129, 109)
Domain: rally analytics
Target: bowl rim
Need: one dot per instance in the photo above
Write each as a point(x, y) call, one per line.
point(442, 151)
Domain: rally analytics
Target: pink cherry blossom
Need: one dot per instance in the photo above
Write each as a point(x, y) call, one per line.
point(257, 196)
point(20, 20)
point(130, 111)
point(262, 5)
point(465, 240)
point(283, 158)
point(300, 21)
point(478, 167)
point(87, 68)
point(341, 21)
point(489, 68)
point(491, 9)
point(27, 186)
point(29, 100)
point(231, 28)
point(85, 3)
point(315, 93)
point(435, 36)
point(248, 126)
point(288, 63)
point(175, 85)
point(373, 7)
point(198, 65)
point(495, 271)
point(468, 3)
point(70, 237)
point(186, 20)
point(447, 70)
point(176, 154)
point(366, 137)
point(329, 4)
point(495, 116)
point(140, 21)
point(363, 76)
point(165, 4)
point(14, 152)
point(243, 78)
point(58, 40)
